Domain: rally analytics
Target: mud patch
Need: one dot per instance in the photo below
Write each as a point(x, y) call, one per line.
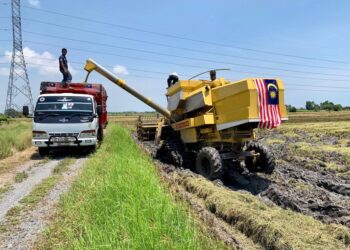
point(257, 225)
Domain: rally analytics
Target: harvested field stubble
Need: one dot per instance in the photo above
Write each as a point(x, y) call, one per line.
point(265, 223)
point(271, 226)
point(313, 173)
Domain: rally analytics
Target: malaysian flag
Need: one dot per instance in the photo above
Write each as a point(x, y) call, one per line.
point(269, 112)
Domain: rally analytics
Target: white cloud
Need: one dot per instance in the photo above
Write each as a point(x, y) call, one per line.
point(45, 63)
point(34, 3)
point(119, 69)
point(4, 72)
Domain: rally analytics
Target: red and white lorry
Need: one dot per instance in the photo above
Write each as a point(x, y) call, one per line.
point(69, 115)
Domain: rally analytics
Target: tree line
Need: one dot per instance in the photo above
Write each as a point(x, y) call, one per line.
point(312, 106)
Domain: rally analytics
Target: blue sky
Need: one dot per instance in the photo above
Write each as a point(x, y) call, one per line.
point(312, 29)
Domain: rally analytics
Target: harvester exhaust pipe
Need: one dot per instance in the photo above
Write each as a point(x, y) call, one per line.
point(92, 65)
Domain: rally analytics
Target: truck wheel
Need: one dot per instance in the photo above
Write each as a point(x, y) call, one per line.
point(263, 162)
point(100, 134)
point(209, 163)
point(43, 151)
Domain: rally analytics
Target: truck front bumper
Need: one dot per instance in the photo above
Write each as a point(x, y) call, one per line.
point(65, 143)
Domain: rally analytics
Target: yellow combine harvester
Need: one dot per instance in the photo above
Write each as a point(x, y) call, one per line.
point(213, 121)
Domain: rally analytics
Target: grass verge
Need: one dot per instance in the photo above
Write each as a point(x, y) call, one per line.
point(15, 136)
point(118, 202)
point(21, 176)
point(271, 226)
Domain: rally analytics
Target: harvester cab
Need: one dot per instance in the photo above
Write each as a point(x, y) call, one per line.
point(210, 123)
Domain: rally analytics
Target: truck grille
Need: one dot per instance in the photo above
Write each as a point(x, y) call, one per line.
point(64, 134)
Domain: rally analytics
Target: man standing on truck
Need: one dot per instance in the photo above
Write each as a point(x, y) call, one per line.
point(67, 77)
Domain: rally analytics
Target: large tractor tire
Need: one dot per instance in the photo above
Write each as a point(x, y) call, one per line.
point(209, 163)
point(263, 162)
point(172, 151)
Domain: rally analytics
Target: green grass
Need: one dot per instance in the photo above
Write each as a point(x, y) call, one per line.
point(15, 136)
point(119, 202)
point(4, 189)
point(21, 176)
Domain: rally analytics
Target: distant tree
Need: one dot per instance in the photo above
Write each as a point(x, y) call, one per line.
point(291, 108)
point(317, 107)
point(310, 105)
point(338, 107)
point(327, 105)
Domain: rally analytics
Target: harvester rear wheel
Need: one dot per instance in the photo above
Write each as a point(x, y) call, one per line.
point(209, 163)
point(263, 162)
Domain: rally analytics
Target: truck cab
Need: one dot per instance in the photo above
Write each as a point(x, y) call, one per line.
point(69, 116)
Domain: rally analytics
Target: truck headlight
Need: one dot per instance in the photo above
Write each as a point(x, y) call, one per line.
point(40, 135)
point(87, 133)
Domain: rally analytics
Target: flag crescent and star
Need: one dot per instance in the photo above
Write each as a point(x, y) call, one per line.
point(268, 103)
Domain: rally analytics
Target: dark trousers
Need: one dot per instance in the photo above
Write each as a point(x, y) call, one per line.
point(67, 77)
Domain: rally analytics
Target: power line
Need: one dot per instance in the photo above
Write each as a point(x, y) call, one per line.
point(194, 58)
point(323, 87)
point(191, 66)
point(163, 45)
point(163, 79)
point(185, 38)
point(320, 90)
point(134, 75)
point(181, 64)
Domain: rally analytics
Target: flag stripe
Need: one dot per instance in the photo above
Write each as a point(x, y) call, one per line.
point(269, 114)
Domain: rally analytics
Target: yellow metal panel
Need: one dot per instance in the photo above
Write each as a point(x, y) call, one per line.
point(239, 101)
point(236, 101)
point(188, 123)
point(188, 135)
point(282, 105)
point(204, 120)
point(198, 121)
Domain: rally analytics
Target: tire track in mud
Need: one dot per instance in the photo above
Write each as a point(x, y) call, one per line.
point(303, 183)
point(213, 201)
point(317, 192)
point(303, 191)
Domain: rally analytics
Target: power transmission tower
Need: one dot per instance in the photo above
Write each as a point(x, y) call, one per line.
point(18, 85)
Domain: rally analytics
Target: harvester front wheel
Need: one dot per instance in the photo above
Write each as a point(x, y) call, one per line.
point(209, 163)
point(263, 161)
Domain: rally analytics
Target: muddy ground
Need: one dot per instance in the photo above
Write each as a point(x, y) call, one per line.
point(316, 184)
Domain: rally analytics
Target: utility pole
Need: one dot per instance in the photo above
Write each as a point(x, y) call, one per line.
point(18, 85)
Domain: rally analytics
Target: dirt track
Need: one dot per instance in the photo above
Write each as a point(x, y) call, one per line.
point(20, 231)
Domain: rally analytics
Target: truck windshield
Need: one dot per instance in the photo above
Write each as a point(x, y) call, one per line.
point(63, 109)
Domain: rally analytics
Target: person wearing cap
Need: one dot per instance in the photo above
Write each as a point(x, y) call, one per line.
point(172, 79)
point(67, 77)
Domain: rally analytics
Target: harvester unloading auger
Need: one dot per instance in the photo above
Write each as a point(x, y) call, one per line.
point(213, 121)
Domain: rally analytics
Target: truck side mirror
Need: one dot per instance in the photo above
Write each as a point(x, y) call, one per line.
point(99, 109)
point(25, 111)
